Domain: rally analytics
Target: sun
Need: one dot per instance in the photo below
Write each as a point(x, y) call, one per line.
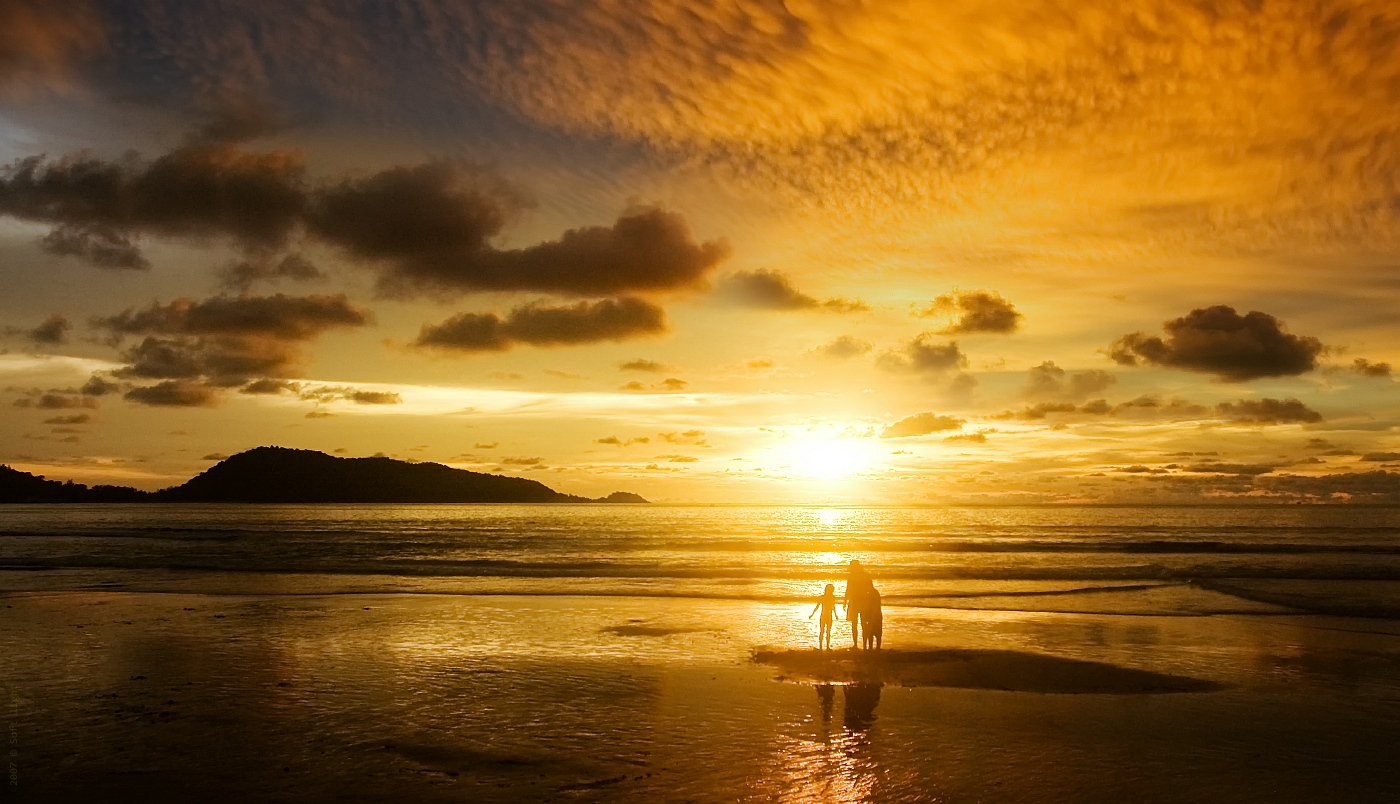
point(822, 455)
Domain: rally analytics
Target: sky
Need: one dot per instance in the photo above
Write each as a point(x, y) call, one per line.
point(711, 251)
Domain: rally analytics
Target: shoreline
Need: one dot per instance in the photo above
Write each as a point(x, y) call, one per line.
point(156, 696)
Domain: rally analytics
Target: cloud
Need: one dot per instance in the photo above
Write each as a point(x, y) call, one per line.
point(1267, 411)
point(283, 317)
point(267, 385)
point(224, 341)
point(642, 365)
point(1049, 381)
point(331, 393)
point(766, 289)
point(921, 424)
point(55, 400)
point(1367, 368)
point(1381, 457)
point(77, 418)
point(1217, 340)
point(199, 190)
point(53, 330)
point(922, 356)
point(175, 394)
point(540, 325)
point(98, 244)
point(845, 347)
point(42, 44)
point(243, 275)
point(427, 228)
point(693, 437)
point(975, 311)
point(1374, 486)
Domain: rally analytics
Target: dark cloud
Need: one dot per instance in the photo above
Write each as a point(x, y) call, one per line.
point(922, 356)
point(976, 311)
point(293, 318)
point(1267, 411)
point(268, 385)
point(1381, 457)
point(971, 438)
point(540, 325)
point(53, 330)
point(1375, 486)
point(331, 393)
point(224, 341)
point(1049, 381)
point(425, 228)
point(98, 244)
point(767, 289)
point(1143, 407)
point(200, 190)
point(428, 229)
point(921, 424)
point(55, 400)
point(76, 418)
point(1217, 340)
point(1245, 469)
point(174, 394)
point(242, 275)
point(1366, 368)
point(643, 365)
point(845, 347)
point(99, 386)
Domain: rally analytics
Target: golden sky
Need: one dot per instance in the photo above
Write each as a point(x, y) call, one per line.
point(711, 251)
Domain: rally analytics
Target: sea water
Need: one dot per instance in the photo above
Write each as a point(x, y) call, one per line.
point(485, 652)
point(1335, 559)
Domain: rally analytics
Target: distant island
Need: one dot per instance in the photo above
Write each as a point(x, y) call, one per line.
point(281, 475)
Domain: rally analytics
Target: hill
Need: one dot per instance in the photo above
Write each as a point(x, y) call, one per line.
point(281, 475)
point(22, 487)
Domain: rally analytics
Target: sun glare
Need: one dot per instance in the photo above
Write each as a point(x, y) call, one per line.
point(823, 456)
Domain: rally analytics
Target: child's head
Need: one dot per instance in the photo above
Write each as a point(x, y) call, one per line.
point(830, 589)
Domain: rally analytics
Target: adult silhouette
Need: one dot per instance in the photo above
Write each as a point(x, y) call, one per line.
point(858, 589)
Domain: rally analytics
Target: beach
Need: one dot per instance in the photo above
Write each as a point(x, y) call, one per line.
point(172, 696)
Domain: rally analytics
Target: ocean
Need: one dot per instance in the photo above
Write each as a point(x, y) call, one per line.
point(1334, 559)
point(601, 652)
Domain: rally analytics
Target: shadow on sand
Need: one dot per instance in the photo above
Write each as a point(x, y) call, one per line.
point(973, 669)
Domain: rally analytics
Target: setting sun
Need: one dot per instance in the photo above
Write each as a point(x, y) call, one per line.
point(822, 456)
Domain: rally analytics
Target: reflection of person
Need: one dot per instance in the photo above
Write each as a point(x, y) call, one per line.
point(861, 700)
point(858, 588)
point(872, 619)
point(826, 604)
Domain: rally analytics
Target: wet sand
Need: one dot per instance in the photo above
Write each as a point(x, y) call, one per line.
point(174, 697)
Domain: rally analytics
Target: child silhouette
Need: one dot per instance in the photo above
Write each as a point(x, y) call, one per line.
point(826, 604)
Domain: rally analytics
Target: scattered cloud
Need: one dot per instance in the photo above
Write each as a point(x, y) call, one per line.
point(244, 274)
point(767, 289)
point(1267, 411)
point(1049, 381)
point(641, 364)
point(845, 347)
point(174, 394)
point(540, 325)
point(921, 424)
point(922, 356)
point(1367, 368)
point(975, 311)
point(1217, 340)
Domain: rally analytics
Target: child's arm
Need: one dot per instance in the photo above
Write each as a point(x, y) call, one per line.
point(814, 611)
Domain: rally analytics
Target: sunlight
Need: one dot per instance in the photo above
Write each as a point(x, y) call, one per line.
point(823, 455)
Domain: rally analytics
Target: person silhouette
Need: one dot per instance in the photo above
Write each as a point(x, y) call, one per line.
point(872, 619)
point(858, 588)
point(826, 604)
